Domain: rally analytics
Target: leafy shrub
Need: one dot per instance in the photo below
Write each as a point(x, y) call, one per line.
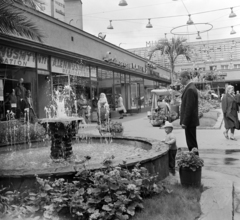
point(15, 132)
point(116, 127)
point(189, 159)
point(111, 193)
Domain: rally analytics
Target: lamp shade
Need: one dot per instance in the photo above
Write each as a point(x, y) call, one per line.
point(232, 14)
point(149, 25)
point(198, 37)
point(189, 22)
point(122, 3)
point(232, 31)
point(110, 25)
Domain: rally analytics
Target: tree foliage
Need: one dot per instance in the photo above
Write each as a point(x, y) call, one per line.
point(14, 22)
point(172, 48)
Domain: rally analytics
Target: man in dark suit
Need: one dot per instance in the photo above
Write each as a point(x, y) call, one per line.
point(189, 110)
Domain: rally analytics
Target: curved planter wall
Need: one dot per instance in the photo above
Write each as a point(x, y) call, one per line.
point(156, 162)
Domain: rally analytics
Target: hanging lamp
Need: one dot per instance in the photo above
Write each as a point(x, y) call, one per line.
point(189, 22)
point(110, 25)
point(149, 25)
point(122, 3)
point(232, 31)
point(198, 37)
point(232, 14)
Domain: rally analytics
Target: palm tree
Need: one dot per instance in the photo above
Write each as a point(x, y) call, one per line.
point(14, 22)
point(173, 48)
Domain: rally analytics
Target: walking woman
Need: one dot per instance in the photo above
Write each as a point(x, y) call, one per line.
point(230, 112)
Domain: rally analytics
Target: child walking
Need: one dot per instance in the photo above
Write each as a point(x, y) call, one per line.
point(170, 139)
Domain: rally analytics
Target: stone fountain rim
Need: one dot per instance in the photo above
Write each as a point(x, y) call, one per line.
point(73, 169)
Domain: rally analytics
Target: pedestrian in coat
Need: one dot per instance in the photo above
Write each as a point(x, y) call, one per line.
point(189, 110)
point(230, 112)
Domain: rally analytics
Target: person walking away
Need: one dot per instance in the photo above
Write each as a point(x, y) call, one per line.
point(170, 139)
point(189, 110)
point(230, 110)
point(121, 109)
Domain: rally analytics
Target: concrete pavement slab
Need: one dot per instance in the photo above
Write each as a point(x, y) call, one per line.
point(236, 201)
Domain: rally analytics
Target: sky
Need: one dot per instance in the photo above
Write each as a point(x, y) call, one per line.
point(134, 34)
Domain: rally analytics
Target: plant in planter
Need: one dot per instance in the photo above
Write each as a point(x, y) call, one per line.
point(190, 167)
point(116, 128)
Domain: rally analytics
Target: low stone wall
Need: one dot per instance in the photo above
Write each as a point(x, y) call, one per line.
point(156, 161)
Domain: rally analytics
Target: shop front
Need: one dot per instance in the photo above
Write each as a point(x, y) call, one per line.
point(19, 67)
point(45, 70)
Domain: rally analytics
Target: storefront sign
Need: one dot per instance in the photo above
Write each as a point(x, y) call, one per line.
point(42, 62)
point(69, 68)
point(17, 57)
point(59, 9)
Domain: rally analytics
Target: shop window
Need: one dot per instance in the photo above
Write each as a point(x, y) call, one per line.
point(236, 66)
point(137, 92)
point(224, 67)
point(105, 84)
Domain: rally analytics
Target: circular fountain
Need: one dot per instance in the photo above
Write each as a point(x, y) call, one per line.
point(68, 154)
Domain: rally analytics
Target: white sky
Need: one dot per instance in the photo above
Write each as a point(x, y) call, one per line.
point(134, 34)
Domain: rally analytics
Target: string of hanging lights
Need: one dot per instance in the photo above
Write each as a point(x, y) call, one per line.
point(189, 22)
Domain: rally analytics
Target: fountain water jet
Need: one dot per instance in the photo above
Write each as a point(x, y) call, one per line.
point(61, 124)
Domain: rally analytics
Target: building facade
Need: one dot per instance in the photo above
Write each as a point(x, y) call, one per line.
point(70, 56)
point(220, 56)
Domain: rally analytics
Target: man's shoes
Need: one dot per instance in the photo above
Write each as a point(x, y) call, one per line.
point(121, 118)
point(233, 138)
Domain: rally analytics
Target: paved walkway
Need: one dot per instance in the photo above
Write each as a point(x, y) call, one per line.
point(221, 171)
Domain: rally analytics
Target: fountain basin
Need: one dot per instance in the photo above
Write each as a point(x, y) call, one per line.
point(155, 160)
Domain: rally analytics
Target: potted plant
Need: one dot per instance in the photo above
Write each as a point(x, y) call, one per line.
point(190, 167)
point(116, 128)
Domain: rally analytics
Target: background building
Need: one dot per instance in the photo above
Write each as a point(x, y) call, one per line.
point(221, 56)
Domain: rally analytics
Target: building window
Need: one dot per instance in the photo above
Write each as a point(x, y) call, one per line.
point(236, 66)
point(213, 67)
point(224, 67)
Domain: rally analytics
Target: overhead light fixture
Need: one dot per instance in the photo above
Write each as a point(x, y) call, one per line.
point(149, 25)
point(232, 14)
point(110, 25)
point(198, 37)
point(189, 22)
point(232, 31)
point(122, 3)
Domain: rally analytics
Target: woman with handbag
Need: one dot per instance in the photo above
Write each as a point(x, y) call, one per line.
point(230, 112)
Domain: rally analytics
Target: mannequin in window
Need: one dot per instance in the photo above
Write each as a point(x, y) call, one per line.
point(20, 91)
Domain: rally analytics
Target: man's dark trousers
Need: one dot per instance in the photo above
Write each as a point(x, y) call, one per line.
point(191, 137)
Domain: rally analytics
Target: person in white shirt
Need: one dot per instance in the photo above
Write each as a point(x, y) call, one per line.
point(170, 139)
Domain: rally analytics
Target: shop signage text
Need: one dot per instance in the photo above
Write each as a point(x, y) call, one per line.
point(69, 68)
point(17, 57)
point(122, 64)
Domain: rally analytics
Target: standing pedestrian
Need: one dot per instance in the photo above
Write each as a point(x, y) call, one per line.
point(20, 91)
point(121, 109)
point(170, 139)
point(230, 112)
point(189, 110)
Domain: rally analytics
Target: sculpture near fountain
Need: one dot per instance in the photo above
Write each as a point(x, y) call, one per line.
point(103, 114)
point(61, 123)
